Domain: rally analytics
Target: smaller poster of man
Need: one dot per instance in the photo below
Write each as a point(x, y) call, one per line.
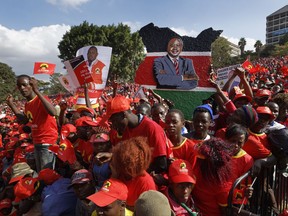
point(98, 61)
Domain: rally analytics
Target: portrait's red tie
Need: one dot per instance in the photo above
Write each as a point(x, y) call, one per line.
point(176, 64)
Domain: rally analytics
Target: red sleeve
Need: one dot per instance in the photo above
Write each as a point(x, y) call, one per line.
point(230, 107)
point(255, 148)
point(158, 142)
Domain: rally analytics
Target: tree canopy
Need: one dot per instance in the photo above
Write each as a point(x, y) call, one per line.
point(7, 81)
point(221, 53)
point(127, 47)
point(283, 39)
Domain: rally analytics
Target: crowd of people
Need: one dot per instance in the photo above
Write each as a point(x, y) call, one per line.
point(139, 156)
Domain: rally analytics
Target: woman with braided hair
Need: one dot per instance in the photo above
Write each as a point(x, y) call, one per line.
point(212, 171)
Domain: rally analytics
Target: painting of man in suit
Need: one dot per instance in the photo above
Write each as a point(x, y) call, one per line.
point(172, 71)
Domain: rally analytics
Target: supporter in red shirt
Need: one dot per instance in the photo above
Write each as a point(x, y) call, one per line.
point(212, 171)
point(130, 160)
point(158, 113)
point(241, 162)
point(84, 128)
point(182, 181)
point(40, 112)
point(183, 148)
point(129, 125)
point(257, 144)
point(202, 119)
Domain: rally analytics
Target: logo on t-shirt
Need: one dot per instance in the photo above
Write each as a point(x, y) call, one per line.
point(29, 116)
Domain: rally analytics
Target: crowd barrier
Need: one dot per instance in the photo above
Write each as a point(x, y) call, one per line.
point(270, 194)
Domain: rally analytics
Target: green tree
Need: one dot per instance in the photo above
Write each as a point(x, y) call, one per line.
point(55, 86)
point(283, 39)
point(127, 47)
point(7, 81)
point(267, 50)
point(242, 44)
point(258, 45)
point(281, 50)
point(221, 53)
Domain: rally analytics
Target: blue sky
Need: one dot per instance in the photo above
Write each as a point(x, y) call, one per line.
point(31, 29)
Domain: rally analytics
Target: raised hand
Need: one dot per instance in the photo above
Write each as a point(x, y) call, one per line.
point(34, 84)
point(9, 99)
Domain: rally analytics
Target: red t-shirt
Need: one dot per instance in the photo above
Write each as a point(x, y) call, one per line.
point(43, 125)
point(257, 145)
point(185, 150)
point(209, 196)
point(137, 186)
point(157, 139)
point(241, 163)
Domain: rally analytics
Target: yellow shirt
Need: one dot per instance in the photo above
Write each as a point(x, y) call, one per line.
point(127, 213)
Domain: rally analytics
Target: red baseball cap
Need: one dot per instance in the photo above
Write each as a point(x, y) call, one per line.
point(112, 190)
point(265, 110)
point(181, 171)
point(117, 104)
point(25, 188)
point(81, 176)
point(48, 176)
point(100, 137)
point(84, 108)
point(67, 129)
point(238, 96)
point(263, 93)
point(5, 203)
point(85, 121)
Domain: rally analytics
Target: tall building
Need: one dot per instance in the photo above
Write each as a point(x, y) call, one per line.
point(235, 50)
point(276, 25)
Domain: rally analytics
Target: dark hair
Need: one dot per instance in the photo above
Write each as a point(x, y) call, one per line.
point(23, 76)
point(156, 105)
point(93, 47)
point(179, 112)
point(216, 166)
point(201, 110)
point(144, 107)
point(235, 129)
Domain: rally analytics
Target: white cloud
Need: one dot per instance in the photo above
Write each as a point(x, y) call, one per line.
point(68, 3)
point(20, 49)
point(183, 32)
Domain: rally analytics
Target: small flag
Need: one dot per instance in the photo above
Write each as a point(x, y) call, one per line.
point(247, 65)
point(44, 68)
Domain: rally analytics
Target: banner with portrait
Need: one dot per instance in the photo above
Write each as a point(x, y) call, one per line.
point(98, 60)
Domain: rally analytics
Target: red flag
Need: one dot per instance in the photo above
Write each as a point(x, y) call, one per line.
point(247, 65)
point(44, 68)
point(64, 151)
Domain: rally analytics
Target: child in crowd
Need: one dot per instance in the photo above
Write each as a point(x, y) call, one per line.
point(183, 148)
point(181, 183)
point(100, 168)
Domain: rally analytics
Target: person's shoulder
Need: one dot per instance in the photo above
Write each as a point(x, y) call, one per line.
point(184, 59)
point(161, 58)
